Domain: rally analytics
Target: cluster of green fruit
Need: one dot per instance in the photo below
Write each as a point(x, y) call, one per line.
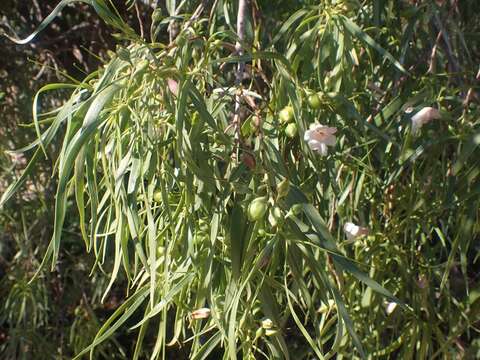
point(257, 209)
point(287, 114)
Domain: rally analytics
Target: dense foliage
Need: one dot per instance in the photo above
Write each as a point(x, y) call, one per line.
point(216, 164)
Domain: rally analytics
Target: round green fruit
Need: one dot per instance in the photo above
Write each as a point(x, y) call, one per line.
point(157, 196)
point(257, 208)
point(291, 130)
point(286, 114)
point(314, 101)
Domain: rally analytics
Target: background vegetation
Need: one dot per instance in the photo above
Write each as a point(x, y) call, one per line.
point(160, 145)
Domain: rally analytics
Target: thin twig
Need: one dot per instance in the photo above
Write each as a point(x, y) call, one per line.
point(196, 14)
point(242, 10)
point(139, 18)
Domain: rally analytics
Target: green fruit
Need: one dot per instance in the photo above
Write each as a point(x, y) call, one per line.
point(291, 130)
point(286, 114)
point(314, 101)
point(257, 209)
point(157, 196)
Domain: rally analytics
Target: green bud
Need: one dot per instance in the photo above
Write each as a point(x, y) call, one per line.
point(286, 115)
point(283, 188)
point(326, 307)
point(157, 196)
point(160, 251)
point(110, 54)
point(257, 208)
point(259, 333)
point(277, 213)
point(275, 217)
point(291, 130)
point(272, 220)
point(271, 332)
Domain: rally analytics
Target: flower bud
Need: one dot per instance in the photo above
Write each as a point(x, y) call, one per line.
point(424, 116)
point(326, 307)
point(267, 323)
point(271, 332)
point(201, 313)
point(283, 188)
point(259, 333)
point(391, 307)
point(353, 231)
point(157, 196)
point(286, 114)
point(291, 130)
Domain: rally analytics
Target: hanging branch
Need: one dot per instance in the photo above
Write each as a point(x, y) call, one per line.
point(196, 14)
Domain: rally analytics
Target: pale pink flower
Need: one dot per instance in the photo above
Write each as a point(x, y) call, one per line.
point(353, 231)
point(201, 313)
point(172, 86)
point(424, 116)
point(319, 137)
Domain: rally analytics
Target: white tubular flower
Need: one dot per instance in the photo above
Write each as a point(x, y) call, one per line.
point(201, 313)
point(319, 137)
point(353, 231)
point(267, 324)
point(391, 307)
point(424, 116)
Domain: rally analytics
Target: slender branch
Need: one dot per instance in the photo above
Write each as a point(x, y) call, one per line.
point(139, 18)
point(242, 10)
point(196, 14)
